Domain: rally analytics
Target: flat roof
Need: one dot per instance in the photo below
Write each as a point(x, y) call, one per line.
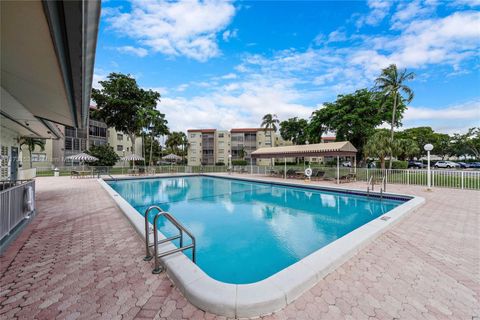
point(342, 148)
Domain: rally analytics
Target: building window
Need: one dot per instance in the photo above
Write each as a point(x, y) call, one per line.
point(220, 135)
point(70, 132)
point(119, 136)
point(119, 147)
point(39, 157)
point(68, 144)
point(76, 144)
point(221, 151)
point(192, 135)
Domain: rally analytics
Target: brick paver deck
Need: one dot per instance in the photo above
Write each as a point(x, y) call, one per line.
point(81, 259)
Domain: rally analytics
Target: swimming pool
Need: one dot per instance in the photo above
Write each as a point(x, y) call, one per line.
point(247, 231)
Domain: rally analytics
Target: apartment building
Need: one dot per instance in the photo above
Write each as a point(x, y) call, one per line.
point(211, 146)
point(73, 141)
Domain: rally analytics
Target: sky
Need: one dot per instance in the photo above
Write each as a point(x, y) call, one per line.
point(220, 64)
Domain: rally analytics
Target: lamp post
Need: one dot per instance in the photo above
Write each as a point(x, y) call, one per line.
point(428, 147)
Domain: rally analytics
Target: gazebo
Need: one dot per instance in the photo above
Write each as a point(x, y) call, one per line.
point(172, 157)
point(338, 149)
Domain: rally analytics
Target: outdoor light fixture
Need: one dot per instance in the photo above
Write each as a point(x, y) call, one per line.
point(428, 147)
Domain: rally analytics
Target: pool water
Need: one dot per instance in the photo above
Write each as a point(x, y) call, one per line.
point(248, 231)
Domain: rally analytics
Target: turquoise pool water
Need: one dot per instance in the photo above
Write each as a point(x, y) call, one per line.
point(248, 231)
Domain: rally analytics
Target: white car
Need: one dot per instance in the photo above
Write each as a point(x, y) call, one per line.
point(446, 164)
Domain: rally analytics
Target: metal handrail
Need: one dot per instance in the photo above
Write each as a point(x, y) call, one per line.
point(370, 181)
point(181, 229)
point(148, 256)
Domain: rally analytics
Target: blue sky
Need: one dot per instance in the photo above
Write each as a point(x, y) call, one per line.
point(226, 64)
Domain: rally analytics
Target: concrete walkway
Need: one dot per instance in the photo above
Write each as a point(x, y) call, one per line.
point(81, 259)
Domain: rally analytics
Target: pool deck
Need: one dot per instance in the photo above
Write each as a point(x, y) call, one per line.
point(81, 259)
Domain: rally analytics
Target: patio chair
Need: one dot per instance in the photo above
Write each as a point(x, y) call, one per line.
point(74, 173)
point(320, 175)
point(291, 173)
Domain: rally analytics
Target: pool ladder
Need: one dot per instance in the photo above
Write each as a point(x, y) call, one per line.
point(383, 186)
point(182, 230)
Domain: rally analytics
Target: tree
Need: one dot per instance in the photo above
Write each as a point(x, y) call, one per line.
point(379, 145)
point(153, 145)
point(270, 121)
point(174, 141)
point(122, 104)
point(392, 84)
point(421, 136)
point(294, 129)
point(107, 157)
point(468, 143)
point(155, 124)
point(442, 145)
point(405, 148)
point(352, 117)
point(31, 143)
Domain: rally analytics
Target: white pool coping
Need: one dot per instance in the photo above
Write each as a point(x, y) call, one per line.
point(275, 292)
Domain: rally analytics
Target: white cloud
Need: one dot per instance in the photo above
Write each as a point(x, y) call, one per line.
point(138, 51)
point(186, 27)
point(229, 76)
point(229, 34)
point(379, 10)
point(452, 119)
point(241, 104)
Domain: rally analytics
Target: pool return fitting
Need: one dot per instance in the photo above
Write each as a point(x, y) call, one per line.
point(182, 230)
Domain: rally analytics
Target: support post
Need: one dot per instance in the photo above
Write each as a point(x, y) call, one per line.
point(338, 170)
point(429, 184)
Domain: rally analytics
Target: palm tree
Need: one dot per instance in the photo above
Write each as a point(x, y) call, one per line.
point(392, 84)
point(270, 121)
point(174, 140)
point(31, 143)
point(157, 124)
point(406, 148)
point(379, 146)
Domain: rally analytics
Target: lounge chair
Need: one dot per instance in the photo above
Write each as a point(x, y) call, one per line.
point(320, 175)
point(74, 173)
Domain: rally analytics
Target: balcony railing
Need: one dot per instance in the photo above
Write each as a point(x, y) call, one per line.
point(17, 201)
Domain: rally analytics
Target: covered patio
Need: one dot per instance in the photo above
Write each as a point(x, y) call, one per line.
point(333, 149)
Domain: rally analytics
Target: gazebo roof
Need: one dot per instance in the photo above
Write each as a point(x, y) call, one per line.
point(343, 148)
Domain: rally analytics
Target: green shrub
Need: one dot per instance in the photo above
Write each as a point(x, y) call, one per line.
point(397, 164)
point(239, 162)
point(219, 163)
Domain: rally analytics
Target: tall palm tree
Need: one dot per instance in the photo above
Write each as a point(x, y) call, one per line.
point(379, 145)
point(270, 121)
point(174, 140)
point(392, 84)
point(31, 143)
point(157, 125)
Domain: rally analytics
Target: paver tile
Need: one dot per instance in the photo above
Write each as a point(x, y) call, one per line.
point(80, 259)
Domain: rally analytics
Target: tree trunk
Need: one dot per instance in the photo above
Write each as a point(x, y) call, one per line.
point(132, 139)
point(151, 149)
point(392, 129)
point(382, 163)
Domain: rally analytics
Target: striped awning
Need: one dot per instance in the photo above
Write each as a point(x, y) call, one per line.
point(81, 157)
point(132, 157)
point(343, 148)
point(172, 156)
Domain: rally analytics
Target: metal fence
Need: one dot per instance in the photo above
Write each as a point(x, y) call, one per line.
point(461, 179)
point(17, 201)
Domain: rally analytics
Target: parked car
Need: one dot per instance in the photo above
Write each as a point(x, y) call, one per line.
point(474, 165)
point(464, 165)
point(347, 164)
point(446, 164)
point(415, 164)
